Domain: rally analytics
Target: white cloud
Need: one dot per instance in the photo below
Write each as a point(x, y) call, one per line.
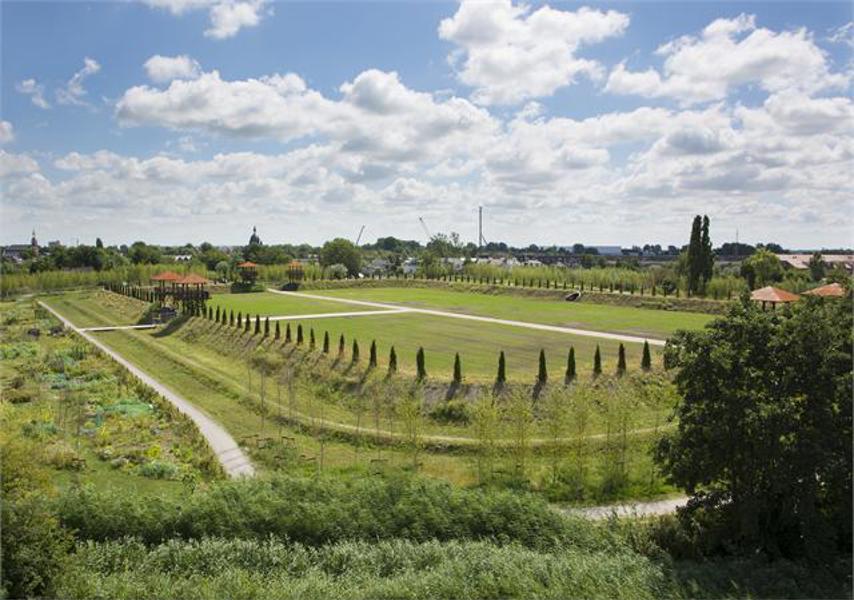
point(843, 35)
point(73, 92)
point(730, 53)
point(510, 54)
point(16, 164)
point(227, 17)
point(162, 69)
point(34, 90)
point(7, 132)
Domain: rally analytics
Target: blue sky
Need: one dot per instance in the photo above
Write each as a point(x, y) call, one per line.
point(568, 122)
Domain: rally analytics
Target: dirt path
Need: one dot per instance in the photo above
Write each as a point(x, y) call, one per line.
point(453, 315)
point(233, 460)
point(114, 327)
point(634, 509)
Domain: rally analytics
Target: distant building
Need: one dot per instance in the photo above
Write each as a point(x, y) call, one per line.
point(608, 250)
point(409, 266)
point(183, 257)
point(455, 263)
point(378, 266)
point(17, 252)
point(802, 261)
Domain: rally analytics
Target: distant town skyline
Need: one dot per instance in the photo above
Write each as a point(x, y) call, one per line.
point(171, 121)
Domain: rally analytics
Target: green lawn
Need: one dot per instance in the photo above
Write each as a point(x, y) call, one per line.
point(582, 315)
point(96, 308)
point(270, 304)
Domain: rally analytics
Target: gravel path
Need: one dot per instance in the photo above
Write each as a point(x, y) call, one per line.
point(635, 509)
point(453, 315)
point(233, 460)
point(114, 327)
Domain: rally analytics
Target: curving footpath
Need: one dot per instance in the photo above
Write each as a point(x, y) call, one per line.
point(454, 315)
point(233, 460)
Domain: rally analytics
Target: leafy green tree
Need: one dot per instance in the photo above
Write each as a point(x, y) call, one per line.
point(542, 372)
point(597, 362)
point(570, 366)
point(372, 358)
point(485, 421)
point(341, 251)
point(763, 442)
point(392, 361)
point(501, 376)
point(646, 359)
point(761, 268)
point(621, 360)
point(458, 369)
point(326, 342)
point(420, 367)
point(141, 253)
point(817, 267)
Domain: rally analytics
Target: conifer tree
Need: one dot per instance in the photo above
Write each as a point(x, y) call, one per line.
point(458, 369)
point(570, 365)
point(257, 324)
point(278, 333)
point(326, 342)
point(621, 361)
point(299, 334)
point(372, 361)
point(542, 373)
point(597, 362)
point(239, 320)
point(355, 355)
point(266, 327)
point(646, 359)
point(247, 322)
point(231, 318)
point(419, 364)
point(392, 361)
point(217, 314)
point(210, 314)
point(501, 377)
point(311, 341)
point(341, 345)
point(288, 333)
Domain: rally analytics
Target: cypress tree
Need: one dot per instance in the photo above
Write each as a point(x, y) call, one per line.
point(217, 314)
point(501, 377)
point(646, 359)
point(299, 334)
point(695, 254)
point(246, 323)
point(597, 362)
point(266, 326)
point(210, 314)
point(372, 361)
point(224, 318)
point(311, 342)
point(355, 356)
point(708, 257)
point(257, 324)
point(341, 345)
point(542, 373)
point(278, 334)
point(392, 361)
point(239, 320)
point(458, 369)
point(419, 364)
point(570, 365)
point(231, 318)
point(621, 361)
point(326, 342)
point(288, 333)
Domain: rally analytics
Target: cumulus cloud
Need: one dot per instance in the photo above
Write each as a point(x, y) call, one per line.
point(162, 69)
point(16, 164)
point(34, 90)
point(727, 54)
point(73, 92)
point(227, 17)
point(7, 132)
point(510, 54)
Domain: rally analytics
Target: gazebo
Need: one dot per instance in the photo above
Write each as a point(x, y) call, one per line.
point(162, 279)
point(192, 293)
point(773, 296)
point(831, 290)
point(248, 271)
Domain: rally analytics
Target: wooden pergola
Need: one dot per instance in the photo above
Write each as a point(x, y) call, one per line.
point(773, 296)
point(248, 271)
point(831, 290)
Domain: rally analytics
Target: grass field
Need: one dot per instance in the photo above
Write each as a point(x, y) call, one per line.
point(270, 304)
point(582, 315)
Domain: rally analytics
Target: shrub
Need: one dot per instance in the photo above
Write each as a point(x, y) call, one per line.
point(452, 411)
point(621, 361)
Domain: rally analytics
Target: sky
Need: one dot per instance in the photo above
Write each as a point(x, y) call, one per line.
point(177, 121)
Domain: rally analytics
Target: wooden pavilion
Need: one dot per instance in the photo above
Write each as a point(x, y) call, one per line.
point(773, 296)
point(831, 290)
point(248, 271)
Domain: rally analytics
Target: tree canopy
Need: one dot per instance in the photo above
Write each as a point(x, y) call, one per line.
point(341, 251)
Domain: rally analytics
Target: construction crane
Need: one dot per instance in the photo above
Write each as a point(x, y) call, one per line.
point(359, 237)
point(424, 227)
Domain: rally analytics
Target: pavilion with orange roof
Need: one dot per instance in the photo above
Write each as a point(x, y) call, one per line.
point(773, 296)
